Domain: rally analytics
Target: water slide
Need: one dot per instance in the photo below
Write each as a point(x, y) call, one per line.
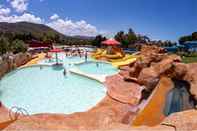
point(152, 113)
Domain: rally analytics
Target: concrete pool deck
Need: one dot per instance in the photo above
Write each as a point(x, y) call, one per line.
point(105, 113)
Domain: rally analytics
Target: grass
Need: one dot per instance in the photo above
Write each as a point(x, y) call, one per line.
point(189, 59)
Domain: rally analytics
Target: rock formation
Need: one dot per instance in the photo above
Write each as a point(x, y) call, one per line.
point(10, 62)
point(154, 63)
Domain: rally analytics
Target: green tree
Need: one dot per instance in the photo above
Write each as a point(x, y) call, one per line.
point(131, 37)
point(98, 40)
point(184, 39)
point(18, 46)
point(4, 45)
point(120, 36)
point(194, 36)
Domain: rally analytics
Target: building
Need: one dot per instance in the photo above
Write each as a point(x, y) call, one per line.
point(190, 46)
point(35, 44)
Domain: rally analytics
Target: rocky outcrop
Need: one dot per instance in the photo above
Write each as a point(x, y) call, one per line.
point(125, 92)
point(191, 77)
point(10, 62)
point(150, 76)
point(102, 116)
point(154, 64)
point(182, 121)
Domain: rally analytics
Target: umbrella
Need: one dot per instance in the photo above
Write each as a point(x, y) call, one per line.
point(111, 42)
point(56, 50)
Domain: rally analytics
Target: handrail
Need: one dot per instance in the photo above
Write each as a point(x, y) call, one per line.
point(17, 113)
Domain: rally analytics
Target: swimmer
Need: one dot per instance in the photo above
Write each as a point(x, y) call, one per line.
point(86, 56)
point(64, 72)
point(40, 67)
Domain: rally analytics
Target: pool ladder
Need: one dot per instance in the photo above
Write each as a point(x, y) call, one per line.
point(14, 113)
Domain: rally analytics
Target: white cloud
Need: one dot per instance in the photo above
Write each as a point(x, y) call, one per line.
point(54, 17)
point(4, 11)
point(69, 27)
point(19, 18)
point(19, 5)
point(65, 26)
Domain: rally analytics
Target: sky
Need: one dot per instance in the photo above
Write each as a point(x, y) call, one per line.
point(158, 19)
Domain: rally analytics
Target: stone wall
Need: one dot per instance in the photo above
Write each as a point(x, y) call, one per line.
point(10, 62)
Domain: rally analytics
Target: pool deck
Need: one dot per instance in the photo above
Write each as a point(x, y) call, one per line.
point(34, 61)
point(99, 78)
point(105, 113)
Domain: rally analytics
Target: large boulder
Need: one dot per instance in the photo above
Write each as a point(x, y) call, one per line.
point(149, 78)
point(21, 58)
point(149, 50)
point(120, 90)
point(191, 77)
point(179, 70)
point(151, 75)
point(182, 121)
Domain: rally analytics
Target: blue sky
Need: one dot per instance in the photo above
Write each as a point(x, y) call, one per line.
point(159, 19)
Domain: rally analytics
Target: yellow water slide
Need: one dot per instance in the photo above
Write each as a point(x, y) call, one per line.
point(152, 113)
point(126, 60)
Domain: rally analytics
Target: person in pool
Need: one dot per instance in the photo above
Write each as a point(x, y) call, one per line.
point(64, 72)
point(41, 67)
point(86, 56)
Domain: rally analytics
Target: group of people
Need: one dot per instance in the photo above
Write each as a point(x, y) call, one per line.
point(75, 52)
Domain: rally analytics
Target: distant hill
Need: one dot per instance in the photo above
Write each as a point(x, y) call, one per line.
point(36, 30)
point(84, 37)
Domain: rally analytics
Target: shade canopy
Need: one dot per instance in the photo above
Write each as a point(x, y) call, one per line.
point(111, 42)
point(56, 50)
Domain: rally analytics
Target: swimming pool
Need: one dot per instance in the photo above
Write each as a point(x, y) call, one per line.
point(90, 67)
point(98, 68)
point(46, 90)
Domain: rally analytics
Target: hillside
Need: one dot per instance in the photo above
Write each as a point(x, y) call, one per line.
point(38, 31)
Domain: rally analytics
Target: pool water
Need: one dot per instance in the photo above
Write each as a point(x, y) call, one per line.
point(99, 68)
point(90, 67)
point(47, 90)
point(62, 58)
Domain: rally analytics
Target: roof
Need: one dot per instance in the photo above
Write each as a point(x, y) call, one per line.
point(190, 44)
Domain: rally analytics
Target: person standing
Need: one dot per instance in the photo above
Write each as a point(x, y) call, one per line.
point(86, 56)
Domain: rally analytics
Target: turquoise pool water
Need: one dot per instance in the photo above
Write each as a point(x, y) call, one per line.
point(99, 68)
point(62, 58)
point(47, 90)
point(90, 67)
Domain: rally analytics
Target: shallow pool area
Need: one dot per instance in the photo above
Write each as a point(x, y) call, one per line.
point(98, 68)
point(46, 90)
point(90, 66)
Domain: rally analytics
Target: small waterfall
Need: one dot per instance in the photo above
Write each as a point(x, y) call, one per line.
point(179, 98)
